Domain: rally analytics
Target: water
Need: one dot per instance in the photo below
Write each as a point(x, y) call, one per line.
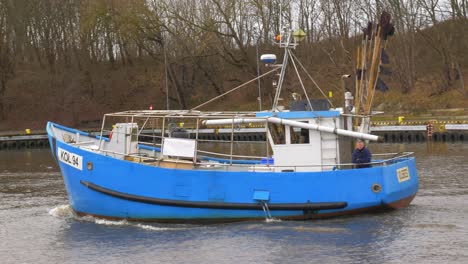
point(37, 225)
point(266, 210)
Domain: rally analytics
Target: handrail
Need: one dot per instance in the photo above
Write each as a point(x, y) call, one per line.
point(351, 165)
point(249, 163)
point(237, 160)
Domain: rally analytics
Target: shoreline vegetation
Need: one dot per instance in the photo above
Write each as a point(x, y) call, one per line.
point(72, 61)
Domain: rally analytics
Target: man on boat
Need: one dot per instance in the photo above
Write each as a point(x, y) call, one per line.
point(361, 155)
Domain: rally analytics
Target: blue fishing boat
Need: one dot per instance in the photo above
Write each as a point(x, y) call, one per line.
point(194, 166)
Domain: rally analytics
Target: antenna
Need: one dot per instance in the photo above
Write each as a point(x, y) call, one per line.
point(165, 75)
point(280, 18)
point(258, 74)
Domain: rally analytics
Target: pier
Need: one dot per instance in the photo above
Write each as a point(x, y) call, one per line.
point(419, 129)
point(23, 141)
point(420, 133)
point(454, 130)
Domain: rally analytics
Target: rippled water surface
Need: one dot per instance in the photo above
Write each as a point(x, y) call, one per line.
point(37, 225)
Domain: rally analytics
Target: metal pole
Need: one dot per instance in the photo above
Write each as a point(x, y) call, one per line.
point(281, 78)
point(281, 121)
point(345, 107)
point(232, 141)
point(165, 75)
point(102, 130)
point(162, 136)
point(196, 142)
point(127, 141)
point(258, 80)
point(267, 144)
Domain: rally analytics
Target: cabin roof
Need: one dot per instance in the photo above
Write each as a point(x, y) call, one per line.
point(299, 114)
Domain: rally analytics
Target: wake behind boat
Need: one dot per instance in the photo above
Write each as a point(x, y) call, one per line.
point(155, 165)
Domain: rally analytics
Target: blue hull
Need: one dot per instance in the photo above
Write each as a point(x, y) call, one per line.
point(115, 188)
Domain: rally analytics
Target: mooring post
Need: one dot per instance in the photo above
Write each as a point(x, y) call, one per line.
point(429, 130)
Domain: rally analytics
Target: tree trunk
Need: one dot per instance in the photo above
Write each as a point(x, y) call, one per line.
point(177, 87)
point(462, 80)
point(2, 94)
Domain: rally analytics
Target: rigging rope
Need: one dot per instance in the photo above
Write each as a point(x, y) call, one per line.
point(233, 89)
point(302, 84)
point(312, 79)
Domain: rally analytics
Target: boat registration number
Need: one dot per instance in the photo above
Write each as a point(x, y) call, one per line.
point(71, 159)
point(403, 174)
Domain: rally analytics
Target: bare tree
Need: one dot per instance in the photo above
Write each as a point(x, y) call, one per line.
point(7, 59)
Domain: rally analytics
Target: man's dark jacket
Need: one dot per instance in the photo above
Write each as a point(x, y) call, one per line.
point(362, 156)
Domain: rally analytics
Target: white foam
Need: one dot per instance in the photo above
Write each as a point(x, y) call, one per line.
point(273, 220)
point(100, 221)
point(62, 211)
point(66, 212)
point(155, 228)
point(125, 223)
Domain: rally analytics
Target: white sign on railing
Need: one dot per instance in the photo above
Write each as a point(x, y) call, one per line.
point(179, 147)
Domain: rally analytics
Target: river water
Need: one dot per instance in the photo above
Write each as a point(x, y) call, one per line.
point(37, 225)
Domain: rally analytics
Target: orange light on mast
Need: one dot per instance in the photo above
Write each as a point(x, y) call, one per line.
point(278, 38)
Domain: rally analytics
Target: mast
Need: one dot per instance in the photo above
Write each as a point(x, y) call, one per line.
point(287, 45)
point(370, 53)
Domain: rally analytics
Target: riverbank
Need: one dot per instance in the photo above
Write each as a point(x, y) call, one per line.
point(391, 129)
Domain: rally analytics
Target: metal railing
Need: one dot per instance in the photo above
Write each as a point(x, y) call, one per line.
point(202, 156)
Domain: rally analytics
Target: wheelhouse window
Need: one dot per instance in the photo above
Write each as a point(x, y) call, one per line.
point(278, 133)
point(300, 135)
